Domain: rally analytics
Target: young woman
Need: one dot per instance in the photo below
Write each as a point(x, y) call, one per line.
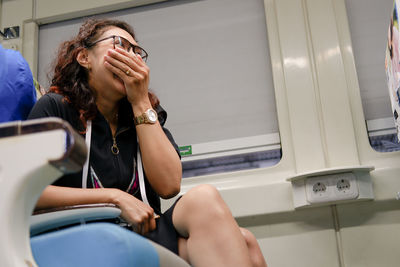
point(100, 86)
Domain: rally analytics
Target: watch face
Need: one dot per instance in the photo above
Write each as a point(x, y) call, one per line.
point(152, 115)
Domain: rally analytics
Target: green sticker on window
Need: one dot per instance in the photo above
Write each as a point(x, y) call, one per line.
point(185, 150)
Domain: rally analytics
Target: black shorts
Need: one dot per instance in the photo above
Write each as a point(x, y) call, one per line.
point(165, 233)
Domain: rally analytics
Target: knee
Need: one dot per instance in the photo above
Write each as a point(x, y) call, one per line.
point(205, 199)
point(200, 209)
point(202, 194)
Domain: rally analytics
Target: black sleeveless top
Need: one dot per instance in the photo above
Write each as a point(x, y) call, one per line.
point(106, 168)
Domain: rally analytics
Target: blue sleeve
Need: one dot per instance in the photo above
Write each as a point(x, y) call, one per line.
point(17, 91)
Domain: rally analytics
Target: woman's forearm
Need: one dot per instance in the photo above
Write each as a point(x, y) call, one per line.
point(132, 209)
point(160, 160)
point(57, 196)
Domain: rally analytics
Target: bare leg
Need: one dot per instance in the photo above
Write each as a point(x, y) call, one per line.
point(213, 236)
point(256, 256)
point(182, 249)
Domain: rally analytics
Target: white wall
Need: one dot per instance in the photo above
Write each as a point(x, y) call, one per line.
point(321, 124)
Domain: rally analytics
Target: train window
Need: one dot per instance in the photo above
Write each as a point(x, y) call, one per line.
point(210, 67)
point(369, 22)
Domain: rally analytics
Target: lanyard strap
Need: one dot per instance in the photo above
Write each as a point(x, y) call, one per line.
point(141, 176)
point(139, 165)
point(88, 138)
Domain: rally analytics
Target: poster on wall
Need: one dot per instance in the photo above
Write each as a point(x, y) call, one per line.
point(392, 64)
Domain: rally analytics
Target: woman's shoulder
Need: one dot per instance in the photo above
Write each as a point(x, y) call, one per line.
point(50, 96)
point(51, 99)
point(52, 105)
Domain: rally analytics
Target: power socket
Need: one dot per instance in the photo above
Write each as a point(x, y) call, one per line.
point(330, 188)
point(318, 189)
point(345, 186)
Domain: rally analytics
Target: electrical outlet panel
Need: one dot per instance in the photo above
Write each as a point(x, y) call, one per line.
point(332, 185)
point(329, 188)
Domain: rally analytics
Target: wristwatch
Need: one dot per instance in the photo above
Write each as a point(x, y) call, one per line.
point(149, 117)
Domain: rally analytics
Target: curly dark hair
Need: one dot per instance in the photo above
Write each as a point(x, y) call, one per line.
point(70, 79)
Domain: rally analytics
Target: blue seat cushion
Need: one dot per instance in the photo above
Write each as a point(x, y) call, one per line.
point(95, 244)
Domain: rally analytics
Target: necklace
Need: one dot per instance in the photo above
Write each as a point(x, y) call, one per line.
point(114, 148)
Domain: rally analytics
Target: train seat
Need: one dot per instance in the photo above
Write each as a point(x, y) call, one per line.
point(24, 173)
point(96, 244)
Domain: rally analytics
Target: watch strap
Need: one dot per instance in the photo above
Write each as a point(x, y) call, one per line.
point(144, 118)
point(141, 119)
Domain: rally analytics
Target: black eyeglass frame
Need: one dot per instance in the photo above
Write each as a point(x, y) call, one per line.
point(132, 47)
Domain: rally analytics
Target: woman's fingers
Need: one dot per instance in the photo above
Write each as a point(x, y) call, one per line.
point(136, 213)
point(136, 228)
point(146, 226)
point(126, 57)
point(114, 69)
point(125, 61)
point(149, 225)
point(132, 70)
point(152, 224)
point(122, 70)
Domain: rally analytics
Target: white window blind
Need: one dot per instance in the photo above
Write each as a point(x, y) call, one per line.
point(210, 66)
point(369, 23)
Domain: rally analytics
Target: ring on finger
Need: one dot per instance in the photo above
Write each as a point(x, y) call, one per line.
point(127, 71)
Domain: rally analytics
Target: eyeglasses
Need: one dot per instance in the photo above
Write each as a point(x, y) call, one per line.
point(119, 41)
